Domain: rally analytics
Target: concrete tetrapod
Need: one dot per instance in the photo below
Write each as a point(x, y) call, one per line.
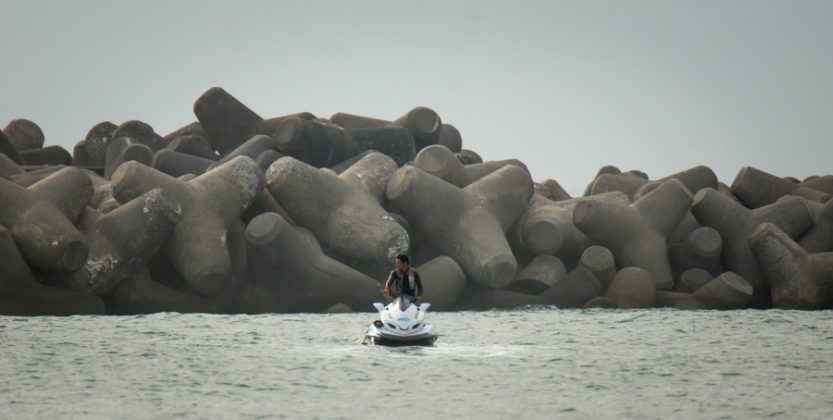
point(756, 188)
point(270, 125)
point(197, 245)
point(632, 288)
point(450, 137)
point(97, 141)
point(692, 279)
point(735, 223)
point(290, 264)
point(726, 291)
point(371, 174)
point(545, 228)
point(24, 134)
point(191, 129)
point(605, 183)
point(49, 155)
point(80, 156)
point(320, 144)
point(227, 122)
point(466, 224)
point(797, 279)
point(539, 275)
point(468, 157)
point(443, 281)
point(177, 164)
point(123, 241)
point(252, 148)
point(631, 182)
point(439, 161)
point(125, 149)
point(46, 237)
point(8, 149)
point(592, 275)
point(142, 132)
point(822, 183)
point(423, 123)
point(557, 192)
point(347, 220)
point(194, 145)
point(636, 234)
point(8, 167)
point(701, 249)
point(819, 238)
point(69, 189)
point(21, 294)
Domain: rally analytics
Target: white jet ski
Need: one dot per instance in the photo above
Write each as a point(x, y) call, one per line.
point(400, 323)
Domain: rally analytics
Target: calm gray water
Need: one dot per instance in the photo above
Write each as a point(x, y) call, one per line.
point(502, 364)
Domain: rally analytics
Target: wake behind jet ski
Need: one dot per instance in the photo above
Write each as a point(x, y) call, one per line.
point(400, 323)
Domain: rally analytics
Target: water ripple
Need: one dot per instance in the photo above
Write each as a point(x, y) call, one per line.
point(527, 363)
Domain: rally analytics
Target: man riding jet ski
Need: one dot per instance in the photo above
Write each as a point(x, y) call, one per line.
point(402, 322)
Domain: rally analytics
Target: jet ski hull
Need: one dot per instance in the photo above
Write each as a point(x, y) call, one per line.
point(381, 339)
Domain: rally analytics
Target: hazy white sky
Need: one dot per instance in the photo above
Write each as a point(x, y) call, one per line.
point(565, 86)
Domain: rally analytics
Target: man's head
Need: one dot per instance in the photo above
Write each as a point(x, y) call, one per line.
point(402, 262)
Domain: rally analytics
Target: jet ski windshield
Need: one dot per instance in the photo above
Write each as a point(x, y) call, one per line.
point(403, 303)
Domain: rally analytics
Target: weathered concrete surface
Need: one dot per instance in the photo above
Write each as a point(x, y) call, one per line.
point(49, 155)
point(141, 132)
point(756, 188)
point(636, 234)
point(423, 123)
point(468, 157)
point(591, 276)
point(8, 149)
point(443, 281)
point(468, 225)
point(46, 237)
point(439, 161)
point(735, 223)
point(227, 122)
point(819, 238)
point(21, 294)
point(125, 149)
point(547, 228)
point(291, 265)
point(323, 144)
point(197, 245)
point(702, 248)
point(692, 279)
point(193, 144)
point(632, 288)
point(8, 167)
point(540, 274)
point(177, 164)
point(24, 134)
point(123, 241)
point(97, 141)
point(726, 291)
point(797, 279)
point(347, 219)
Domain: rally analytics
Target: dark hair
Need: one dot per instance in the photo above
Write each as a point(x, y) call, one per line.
point(404, 258)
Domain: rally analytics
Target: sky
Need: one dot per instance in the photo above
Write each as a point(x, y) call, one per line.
point(564, 86)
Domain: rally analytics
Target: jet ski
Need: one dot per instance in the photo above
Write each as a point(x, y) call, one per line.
point(400, 323)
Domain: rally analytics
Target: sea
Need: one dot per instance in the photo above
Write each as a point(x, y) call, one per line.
point(531, 363)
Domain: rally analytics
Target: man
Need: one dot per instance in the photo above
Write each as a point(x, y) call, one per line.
point(404, 281)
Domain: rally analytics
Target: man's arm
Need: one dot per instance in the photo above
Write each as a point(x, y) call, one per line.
point(418, 282)
point(386, 289)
